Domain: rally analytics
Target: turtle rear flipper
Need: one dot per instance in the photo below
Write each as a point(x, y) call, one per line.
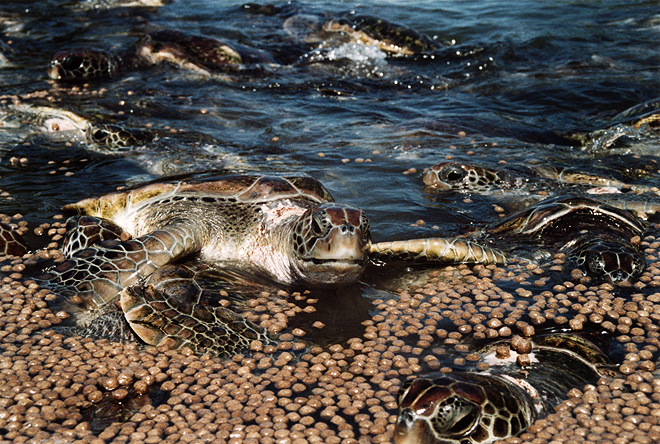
point(173, 313)
point(437, 249)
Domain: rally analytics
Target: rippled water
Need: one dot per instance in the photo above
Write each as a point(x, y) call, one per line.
point(510, 80)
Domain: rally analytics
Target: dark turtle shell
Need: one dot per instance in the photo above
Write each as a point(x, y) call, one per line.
point(599, 238)
point(561, 218)
point(390, 37)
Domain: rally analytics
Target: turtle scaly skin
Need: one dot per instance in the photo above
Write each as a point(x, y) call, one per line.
point(11, 241)
point(81, 64)
point(438, 250)
point(171, 310)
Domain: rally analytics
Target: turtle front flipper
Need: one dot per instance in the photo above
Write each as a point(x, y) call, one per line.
point(11, 241)
point(84, 231)
point(437, 249)
point(94, 276)
point(173, 311)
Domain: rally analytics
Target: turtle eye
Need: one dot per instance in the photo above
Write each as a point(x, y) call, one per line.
point(452, 174)
point(318, 225)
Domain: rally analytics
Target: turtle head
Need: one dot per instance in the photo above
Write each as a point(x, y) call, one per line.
point(457, 176)
point(437, 410)
point(331, 245)
point(610, 259)
point(82, 64)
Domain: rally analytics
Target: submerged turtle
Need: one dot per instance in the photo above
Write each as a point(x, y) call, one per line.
point(634, 123)
point(501, 402)
point(598, 238)
point(510, 182)
point(284, 229)
point(204, 55)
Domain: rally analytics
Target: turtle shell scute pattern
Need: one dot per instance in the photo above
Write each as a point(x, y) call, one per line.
point(172, 310)
point(243, 188)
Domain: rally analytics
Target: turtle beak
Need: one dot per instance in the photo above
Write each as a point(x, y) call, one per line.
point(432, 180)
point(345, 243)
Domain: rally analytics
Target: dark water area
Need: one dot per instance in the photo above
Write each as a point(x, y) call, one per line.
point(508, 81)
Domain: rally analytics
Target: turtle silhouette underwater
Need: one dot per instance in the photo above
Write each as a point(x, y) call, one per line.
point(283, 229)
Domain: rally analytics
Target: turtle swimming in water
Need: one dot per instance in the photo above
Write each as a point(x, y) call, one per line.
point(501, 402)
point(636, 122)
point(391, 38)
point(509, 183)
point(283, 229)
point(201, 54)
point(598, 238)
point(62, 125)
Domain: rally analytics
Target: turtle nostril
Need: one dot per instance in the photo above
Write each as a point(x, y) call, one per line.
point(405, 417)
point(347, 229)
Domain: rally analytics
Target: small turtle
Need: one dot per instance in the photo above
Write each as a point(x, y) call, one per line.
point(510, 182)
point(598, 238)
point(634, 123)
point(475, 178)
point(283, 229)
point(391, 38)
point(66, 126)
point(204, 55)
point(501, 402)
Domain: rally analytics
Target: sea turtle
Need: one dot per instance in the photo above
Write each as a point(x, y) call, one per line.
point(204, 55)
point(485, 406)
point(598, 238)
point(391, 38)
point(634, 123)
point(537, 182)
point(284, 229)
point(66, 126)
point(476, 178)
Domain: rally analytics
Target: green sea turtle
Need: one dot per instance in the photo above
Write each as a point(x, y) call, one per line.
point(476, 178)
point(204, 55)
point(66, 126)
point(536, 182)
point(502, 401)
point(598, 238)
point(634, 123)
point(283, 229)
point(391, 38)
